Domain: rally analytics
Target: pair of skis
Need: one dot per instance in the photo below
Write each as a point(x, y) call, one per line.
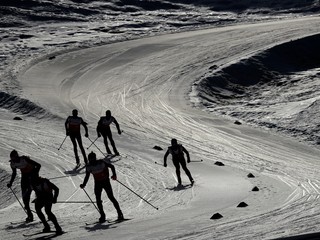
point(52, 234)
point(44, 235)
point(109, 221)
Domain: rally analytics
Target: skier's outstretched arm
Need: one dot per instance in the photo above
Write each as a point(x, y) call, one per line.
point(13, 176)
point(55, 190)
point(85, 180)
point(66, 126)
point(165, 158)
point(84, 124)
point(113, 170)
point(99, 128)
point(117, 125)
point(187, 153)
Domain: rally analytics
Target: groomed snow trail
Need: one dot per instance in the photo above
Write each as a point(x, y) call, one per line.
point(145, 83)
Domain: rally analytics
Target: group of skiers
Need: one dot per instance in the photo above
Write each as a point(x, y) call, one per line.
point(73, 124)
point(47, 192)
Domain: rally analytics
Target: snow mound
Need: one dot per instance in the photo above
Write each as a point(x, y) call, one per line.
point(22, 106)
point(259, 88)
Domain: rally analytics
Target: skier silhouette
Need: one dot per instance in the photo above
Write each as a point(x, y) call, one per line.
point(177, 151)
point(29, 170)
point(100, 172)
point(72, 126)
point(103, 129)
point(47, 193)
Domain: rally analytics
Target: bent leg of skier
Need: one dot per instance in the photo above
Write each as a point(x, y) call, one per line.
point(51, 216)
point(177, 166)
point(108, 189)
point(38, 206)
point(105, 140)
point(75, 148)
point(184, 167)
point(26, 194)
point(109, 134)
point(79, 140)
point(97, 192)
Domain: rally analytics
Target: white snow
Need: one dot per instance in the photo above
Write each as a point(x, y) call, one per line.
point(147, 83)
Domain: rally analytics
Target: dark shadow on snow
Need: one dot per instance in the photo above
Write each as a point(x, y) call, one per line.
point(74, 171)
point(50, 236)
point(112, 158)
point(20, 225)
point(179, 188)
point(310, 236)
point(99, 226)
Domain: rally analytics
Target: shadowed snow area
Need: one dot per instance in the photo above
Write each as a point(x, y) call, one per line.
point(252, 61)
point(276, 88)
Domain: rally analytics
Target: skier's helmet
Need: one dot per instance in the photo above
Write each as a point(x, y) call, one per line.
point(14, 154)
point(92, 156)
point(108, 113)
point(74, 112)
point(174, 142)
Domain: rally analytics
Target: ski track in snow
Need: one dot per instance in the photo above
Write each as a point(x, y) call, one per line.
point(145, 84)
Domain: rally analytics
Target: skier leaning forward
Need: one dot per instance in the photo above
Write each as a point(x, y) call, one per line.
point(72, 126)
point(100, 172)
point(177, 151)
point(103, 128)
point(47, 194)
point(29, 170)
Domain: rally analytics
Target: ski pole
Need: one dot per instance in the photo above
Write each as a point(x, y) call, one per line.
point(60, 177)
point(92, 142)
point(91, 200)
point(197, 160)
point(137, 195)
point(96, 146)
point(18, 200)
point(62, 142)
point(73, 202)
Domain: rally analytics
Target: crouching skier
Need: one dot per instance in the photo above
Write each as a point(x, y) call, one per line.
point(47, 194)
point(100, 172)
point(29, 170)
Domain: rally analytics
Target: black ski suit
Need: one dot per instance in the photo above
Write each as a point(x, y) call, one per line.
point(47, 193)
point(72, 126)
point(29, 170)
point(100, 172)
point(103, 128)
point(178, 159)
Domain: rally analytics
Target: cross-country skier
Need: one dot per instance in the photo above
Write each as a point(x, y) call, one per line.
point(47, 193)
point(29, 170)
point(72, 126)
point(103, 129)
point(100, 172)
point(177, 151)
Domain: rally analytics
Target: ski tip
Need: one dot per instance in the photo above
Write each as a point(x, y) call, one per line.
point(120, 220)
point(60, 233)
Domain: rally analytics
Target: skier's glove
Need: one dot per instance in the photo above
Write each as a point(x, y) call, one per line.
point(119, 132)
point(99, 135)
point(9, 185)
point(114, 177)
point(188, 161)
point(67, 133)
point(82, 186)
point(54, 200)
point(165, 164)
point(86, 135)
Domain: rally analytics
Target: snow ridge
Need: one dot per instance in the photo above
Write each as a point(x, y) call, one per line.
point(269, 80)
point(23, 106)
